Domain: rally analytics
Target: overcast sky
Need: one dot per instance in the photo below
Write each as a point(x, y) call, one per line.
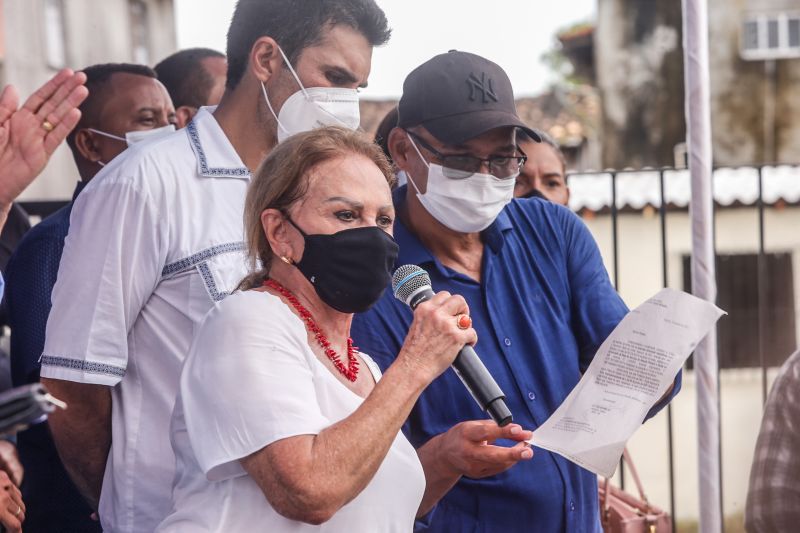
point(513, 33)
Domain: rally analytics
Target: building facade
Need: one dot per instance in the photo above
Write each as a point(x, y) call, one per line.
point(39, 37)
point(754, 56)
point(639, 68)
point(754, 48)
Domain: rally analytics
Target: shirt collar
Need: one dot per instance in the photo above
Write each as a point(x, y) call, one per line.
point(412, 251)
point(216, 157)
point(493, 235)
point(78, 188)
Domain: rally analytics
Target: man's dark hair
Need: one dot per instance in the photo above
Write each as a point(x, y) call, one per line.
point(97, 81)
point(296, 25)
point(187, 82)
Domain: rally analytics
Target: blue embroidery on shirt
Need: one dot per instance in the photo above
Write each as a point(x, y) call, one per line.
point(211, 285)
point(201, 257)
point(201, 156)
point(85, 366)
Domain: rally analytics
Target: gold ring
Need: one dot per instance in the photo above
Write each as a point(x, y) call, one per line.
point(48, 126)
point(463, 321)
point(19, 510)
point(286, 260)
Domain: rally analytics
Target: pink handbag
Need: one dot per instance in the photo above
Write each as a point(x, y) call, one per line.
point(621, 512)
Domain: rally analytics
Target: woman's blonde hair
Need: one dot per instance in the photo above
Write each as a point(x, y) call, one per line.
point(282, 179)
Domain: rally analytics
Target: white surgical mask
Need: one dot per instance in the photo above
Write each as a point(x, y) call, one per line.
point(314, 107)
point(466, 205)
point(402, 178)
point(137, 136)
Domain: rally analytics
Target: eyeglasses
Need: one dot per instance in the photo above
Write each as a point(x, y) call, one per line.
point(459, 167)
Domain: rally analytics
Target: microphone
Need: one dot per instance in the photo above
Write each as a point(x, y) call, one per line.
point(412, 286)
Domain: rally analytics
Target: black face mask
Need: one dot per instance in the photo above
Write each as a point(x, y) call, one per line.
point(349, 269)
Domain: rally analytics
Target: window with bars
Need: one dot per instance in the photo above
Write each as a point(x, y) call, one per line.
point(738, 294)
point(140, 32)
point(774, 36)
point(55, 42)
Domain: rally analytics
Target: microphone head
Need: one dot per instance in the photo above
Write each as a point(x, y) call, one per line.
point(408, 280)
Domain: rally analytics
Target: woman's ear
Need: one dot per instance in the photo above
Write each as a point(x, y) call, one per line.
point(275, 228)
point(265, 58)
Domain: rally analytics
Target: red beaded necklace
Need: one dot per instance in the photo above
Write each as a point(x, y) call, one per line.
point(351, 370)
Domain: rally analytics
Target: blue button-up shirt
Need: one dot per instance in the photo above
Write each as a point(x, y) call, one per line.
point(542, 309)
point(53, 503)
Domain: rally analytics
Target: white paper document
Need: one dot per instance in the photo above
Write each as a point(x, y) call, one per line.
point(631, 371)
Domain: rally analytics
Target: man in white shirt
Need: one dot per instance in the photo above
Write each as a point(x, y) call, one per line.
point(156, 239)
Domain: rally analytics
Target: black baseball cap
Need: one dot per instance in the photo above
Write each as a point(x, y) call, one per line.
point(458, 96)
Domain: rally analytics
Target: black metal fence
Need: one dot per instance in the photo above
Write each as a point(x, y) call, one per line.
point(658, 201)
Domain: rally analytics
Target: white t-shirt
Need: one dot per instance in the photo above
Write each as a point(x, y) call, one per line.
point(251, 379)
point(155, 240)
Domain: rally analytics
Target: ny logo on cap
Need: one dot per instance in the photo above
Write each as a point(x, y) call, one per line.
point(482, 85)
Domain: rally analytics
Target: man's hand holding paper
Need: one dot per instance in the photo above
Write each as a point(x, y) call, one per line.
point(631, 371)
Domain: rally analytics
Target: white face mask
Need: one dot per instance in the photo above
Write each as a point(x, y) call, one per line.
point(401, 177)
point(314, 107)
point(466, 205)
point(137, 136)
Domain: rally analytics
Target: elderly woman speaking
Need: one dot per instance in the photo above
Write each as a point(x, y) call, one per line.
point(276, 402)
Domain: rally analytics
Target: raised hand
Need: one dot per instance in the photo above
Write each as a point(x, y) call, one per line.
point(30, 135)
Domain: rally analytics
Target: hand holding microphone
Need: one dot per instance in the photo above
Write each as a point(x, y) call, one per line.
point(412, 285)
point(438, 332)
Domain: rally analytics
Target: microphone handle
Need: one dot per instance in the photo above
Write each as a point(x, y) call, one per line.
point(473, 374)
point(481, 385)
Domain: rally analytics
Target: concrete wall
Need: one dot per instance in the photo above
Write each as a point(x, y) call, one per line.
point(639, 74)
point(737, 232)
point(740, 389)
point(95, 32)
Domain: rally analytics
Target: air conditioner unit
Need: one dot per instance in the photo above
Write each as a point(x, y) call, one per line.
point(770, 36)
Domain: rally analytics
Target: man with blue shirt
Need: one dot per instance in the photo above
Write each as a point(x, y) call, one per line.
point(122, 97)
point(537, 290)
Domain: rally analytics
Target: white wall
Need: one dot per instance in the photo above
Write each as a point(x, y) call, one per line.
point(640, 273)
